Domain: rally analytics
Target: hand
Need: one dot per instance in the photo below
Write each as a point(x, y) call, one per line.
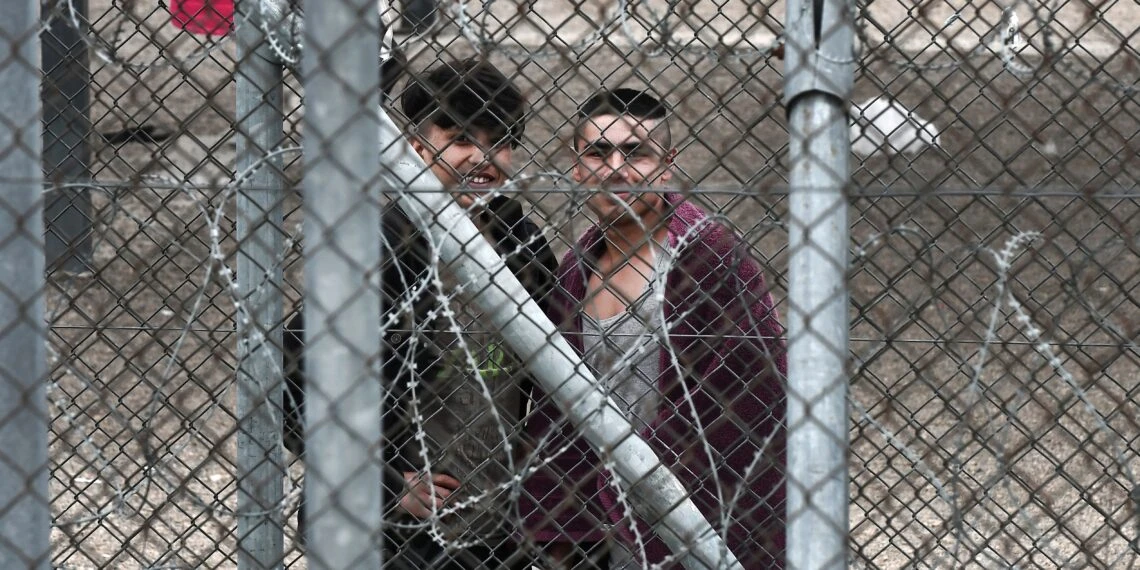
point(418, 500)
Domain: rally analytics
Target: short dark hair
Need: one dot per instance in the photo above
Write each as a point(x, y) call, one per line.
point(635, 103)
point(469, 93)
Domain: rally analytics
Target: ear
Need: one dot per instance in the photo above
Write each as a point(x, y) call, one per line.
point(417, 144)
point(578, 172)
point(426, 153)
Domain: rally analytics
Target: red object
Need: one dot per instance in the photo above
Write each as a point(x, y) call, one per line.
point(210, 17)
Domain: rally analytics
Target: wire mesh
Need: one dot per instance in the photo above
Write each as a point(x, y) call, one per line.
point(993, 276)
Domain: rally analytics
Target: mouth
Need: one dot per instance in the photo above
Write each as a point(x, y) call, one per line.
point(480, 180)
point(626, 194)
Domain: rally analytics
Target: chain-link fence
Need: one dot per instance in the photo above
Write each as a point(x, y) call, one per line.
point(865, 280)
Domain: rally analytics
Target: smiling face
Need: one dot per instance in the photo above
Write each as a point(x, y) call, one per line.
point(464, 118)
point(620, 157)
point(468, 162)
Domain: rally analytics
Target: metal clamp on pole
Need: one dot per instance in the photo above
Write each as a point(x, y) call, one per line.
point(819, 48)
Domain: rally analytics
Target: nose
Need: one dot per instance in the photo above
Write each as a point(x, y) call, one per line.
point(478, 155)
point(616, 167)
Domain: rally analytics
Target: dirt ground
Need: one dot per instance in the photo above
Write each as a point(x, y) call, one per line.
point(994, 413)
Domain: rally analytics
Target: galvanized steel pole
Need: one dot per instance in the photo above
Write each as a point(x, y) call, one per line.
point(260, 231)
point(817, 341)
point(819, 77)
point(25, 526)
point(342, 303)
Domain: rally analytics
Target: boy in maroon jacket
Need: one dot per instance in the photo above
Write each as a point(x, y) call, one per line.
point(671, 313)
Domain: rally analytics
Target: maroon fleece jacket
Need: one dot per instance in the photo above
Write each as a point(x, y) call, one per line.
point(724, 330)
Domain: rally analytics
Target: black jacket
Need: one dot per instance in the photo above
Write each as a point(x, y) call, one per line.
point(406, 260)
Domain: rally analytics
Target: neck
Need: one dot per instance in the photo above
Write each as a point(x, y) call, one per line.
point(628, 239)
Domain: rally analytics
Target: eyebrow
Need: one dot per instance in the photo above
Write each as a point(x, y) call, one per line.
point(607, 148)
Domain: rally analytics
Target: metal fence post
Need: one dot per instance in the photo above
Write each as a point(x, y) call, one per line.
point(342, 306)
point(260, 223)
point(25, 526)
point(66, 100)
point(819, 77)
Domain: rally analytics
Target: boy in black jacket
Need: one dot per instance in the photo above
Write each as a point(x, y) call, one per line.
point(466, 119)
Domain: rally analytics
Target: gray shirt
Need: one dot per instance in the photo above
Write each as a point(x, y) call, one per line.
point(624, 352)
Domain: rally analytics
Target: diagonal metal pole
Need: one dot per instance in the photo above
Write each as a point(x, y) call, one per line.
point(25, 515)
point(342, 306)
point(819, 76)
point(260, 231)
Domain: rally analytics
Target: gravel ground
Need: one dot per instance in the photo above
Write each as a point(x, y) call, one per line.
point(994, 405)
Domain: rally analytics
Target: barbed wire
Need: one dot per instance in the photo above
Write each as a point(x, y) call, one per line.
point(1005, 42)
point(108, 49)
point(158, 470)
point(998, 432)
point(164, 468)
point(214, 260)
